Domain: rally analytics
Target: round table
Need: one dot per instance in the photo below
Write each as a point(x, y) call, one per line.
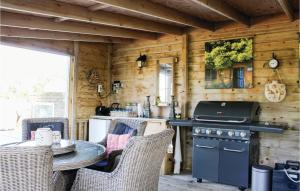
point(85, 154)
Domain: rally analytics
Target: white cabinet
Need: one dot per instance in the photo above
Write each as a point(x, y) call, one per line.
point(157, 126)
point(98, 128)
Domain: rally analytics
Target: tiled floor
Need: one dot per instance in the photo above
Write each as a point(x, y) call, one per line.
point(9, 136)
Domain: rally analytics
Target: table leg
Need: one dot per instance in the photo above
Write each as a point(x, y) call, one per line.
point(69, 176)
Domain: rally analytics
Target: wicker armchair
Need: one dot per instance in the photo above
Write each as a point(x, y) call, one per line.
point(28, 169)
point(33, 123)
point(138, 169)
point(115, 156)
point(140, 125)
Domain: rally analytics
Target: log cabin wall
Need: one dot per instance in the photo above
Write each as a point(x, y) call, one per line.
point(275, 34)
point(90, 56)
point(139, 83)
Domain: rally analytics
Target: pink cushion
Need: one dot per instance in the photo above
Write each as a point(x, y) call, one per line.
point(32, 137)
point(116, 142)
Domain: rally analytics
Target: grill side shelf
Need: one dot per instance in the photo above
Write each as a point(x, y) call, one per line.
point(268, 127)
point(255, 126)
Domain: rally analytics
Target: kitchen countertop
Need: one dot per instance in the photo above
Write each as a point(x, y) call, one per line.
point(139, 118)
point(268, 127)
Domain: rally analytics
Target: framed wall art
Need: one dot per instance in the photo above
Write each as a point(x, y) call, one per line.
point(229, 64)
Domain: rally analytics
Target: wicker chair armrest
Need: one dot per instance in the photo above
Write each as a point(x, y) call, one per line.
point(87, 179)
point(11, 144)
point(114, 154)
point(59, 183)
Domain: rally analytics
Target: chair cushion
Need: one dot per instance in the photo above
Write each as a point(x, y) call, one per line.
point(101, 163)
point(116, 142)
point(122, 128)
point(54, 126)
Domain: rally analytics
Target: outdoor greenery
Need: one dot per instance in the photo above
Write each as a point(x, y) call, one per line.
point(224, 54)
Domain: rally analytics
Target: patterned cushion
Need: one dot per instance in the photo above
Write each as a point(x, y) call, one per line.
point(116, 142)
point(122, 128)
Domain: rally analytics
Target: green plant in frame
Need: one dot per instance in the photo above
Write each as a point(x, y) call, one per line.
point(228, 63)
point(223, 54)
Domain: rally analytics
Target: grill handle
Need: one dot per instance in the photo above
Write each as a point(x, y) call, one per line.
point(205, 147)
point(220, 120)
point(234, 150)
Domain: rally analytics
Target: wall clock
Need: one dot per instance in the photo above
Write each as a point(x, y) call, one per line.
point(273, 63)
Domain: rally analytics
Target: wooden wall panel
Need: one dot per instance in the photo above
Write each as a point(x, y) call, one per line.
point(138, 83)
point(90, 56)
point(271, 34)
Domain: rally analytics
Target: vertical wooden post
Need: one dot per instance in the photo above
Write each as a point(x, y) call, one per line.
point(73, 90)
point(85, 131)
point(109, 73)
point(184, 61)
point(184, 97)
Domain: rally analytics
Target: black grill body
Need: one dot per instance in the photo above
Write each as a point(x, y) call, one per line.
point(227, 112)
point(223, 149)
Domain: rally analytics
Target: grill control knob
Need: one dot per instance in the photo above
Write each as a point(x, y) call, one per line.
point(243, 134)
point(230, 133)
point(197, 130)
point(208, 131)
point(219, 132)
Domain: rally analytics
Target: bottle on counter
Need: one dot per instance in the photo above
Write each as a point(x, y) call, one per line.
point(172, 108)
point(140, 110)
point(178, 112)
point(147, 110)
point(157, 100)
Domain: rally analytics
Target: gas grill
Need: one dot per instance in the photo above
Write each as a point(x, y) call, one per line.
point(223, 150)
point(225, 140)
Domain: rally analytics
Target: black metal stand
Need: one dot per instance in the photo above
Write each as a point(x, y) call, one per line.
point(199, 180)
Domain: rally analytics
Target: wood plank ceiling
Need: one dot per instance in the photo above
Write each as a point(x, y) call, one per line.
point(121, 21)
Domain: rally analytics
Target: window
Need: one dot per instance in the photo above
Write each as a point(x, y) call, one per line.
point(238, 77)
point(210, 74)
point(33, 84)
point(43, 110)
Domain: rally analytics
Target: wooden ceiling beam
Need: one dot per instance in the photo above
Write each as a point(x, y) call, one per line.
point(97, 7)
point(78, 13)
point(60, 19)
point(149, 8)
point(53, 35)
point(287, 8)
point(57, 47)
point(34, 22)
point(224, 9)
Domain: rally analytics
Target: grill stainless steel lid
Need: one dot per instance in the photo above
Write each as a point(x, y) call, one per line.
point(227, 111)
